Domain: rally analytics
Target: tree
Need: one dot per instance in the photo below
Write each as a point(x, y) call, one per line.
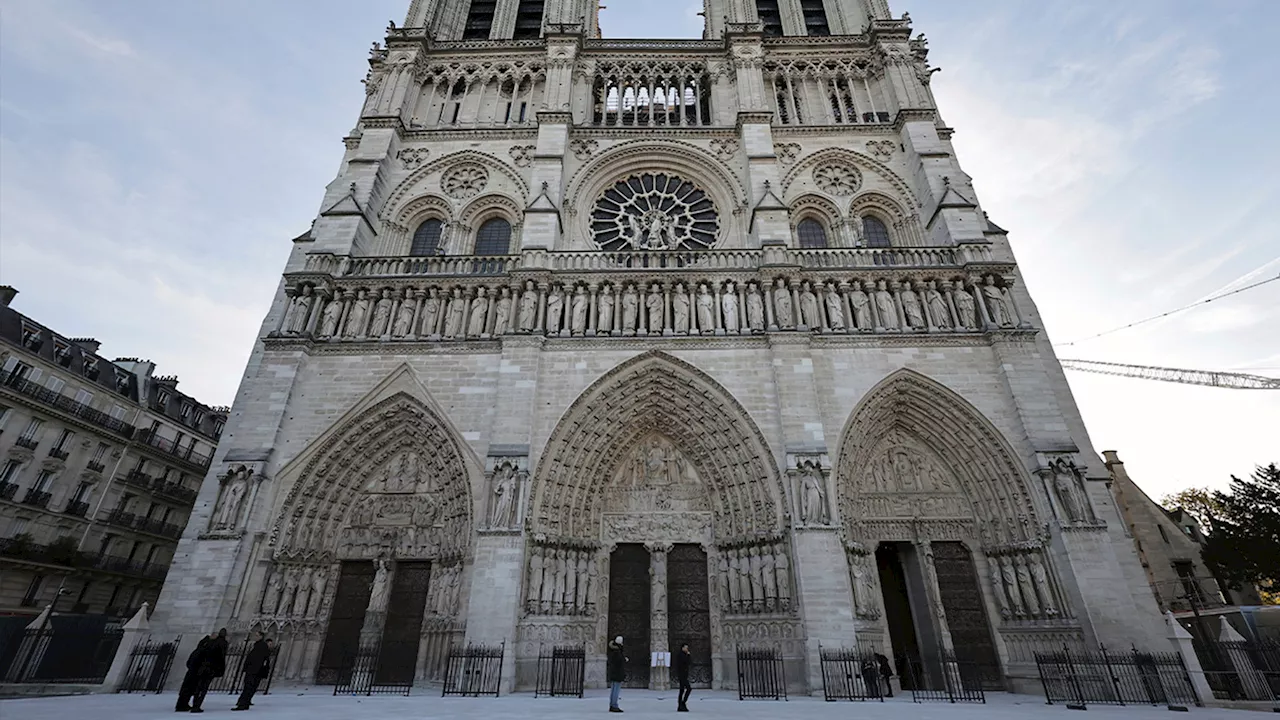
point(1243, 545)
point(1198, 502)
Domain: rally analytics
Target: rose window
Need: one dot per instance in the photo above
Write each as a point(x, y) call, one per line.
point(839, 180)
point(655, 211)
point(464, 181)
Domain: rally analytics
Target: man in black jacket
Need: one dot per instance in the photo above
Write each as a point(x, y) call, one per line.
point(683, 658)
point(213, 663)
point(256, 665)
point(190, 680)
point(615, 672)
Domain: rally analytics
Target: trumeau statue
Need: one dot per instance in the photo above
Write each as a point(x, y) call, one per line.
point(378, 594)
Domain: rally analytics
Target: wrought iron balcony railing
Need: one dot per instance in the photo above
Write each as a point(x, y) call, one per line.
point(68, 405)
point(36, 498)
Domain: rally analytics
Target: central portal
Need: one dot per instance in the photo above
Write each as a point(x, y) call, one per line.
point(689, 609)
point(629, 609)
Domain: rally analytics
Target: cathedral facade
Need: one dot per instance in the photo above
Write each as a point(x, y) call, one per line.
point(702, 341)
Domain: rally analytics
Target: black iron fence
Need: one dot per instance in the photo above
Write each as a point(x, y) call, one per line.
point(359, 673)
point(59, 655)
point(944, 677)
point(149, 665)
point(232, 680)
point(474, 670)
point(1115, 678)
point(761, 674)
point(561, 671)
point(1241, 670)
point(849, 674)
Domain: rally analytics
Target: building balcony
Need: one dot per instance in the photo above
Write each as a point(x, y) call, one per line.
point(27, 442)
point(76, 508)
point(158, 527)
point(138, 479)
point(95, 467)
point(170, 448)
point(174, 491)
point(58, 454)
point(68, 405)
point(8, 490)
point(121, 518)
point(36, 498)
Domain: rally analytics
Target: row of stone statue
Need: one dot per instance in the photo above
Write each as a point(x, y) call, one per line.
point(444, 592)
point(654, 308)
point(755, 578)
point(295, 591)
point(560, 580)
point(1020, 582)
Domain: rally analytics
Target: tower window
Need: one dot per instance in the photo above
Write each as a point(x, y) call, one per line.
point(815, 17)
point(770, 17)
point(479, 20)
point(494, 238)
point(426, 239)
point(529, 20)
point(875, 232)
point(811, 234)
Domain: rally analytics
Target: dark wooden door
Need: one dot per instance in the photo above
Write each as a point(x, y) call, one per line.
point(629, 603)
point(965, 611)
point(398, 654)
point(342, 638)
point(689, 610)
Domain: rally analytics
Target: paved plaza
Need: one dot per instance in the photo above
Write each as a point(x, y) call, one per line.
point(318, 705)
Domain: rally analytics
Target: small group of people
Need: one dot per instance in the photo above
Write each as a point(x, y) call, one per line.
point(616, 672)
point(209, 662)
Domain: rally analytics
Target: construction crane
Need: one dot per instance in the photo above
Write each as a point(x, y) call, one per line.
point(1234, 381)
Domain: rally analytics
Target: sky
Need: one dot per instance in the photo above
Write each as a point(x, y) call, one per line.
point(156, 158)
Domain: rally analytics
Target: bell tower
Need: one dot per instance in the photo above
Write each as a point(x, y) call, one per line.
point(500, 19)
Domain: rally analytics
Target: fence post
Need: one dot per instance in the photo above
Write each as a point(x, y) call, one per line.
point(133, 633)
point(1252, 682)
point(1183, 645)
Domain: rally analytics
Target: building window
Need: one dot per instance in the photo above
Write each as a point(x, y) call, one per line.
point(529, 20)
point(5, 410)
point(1163, 535)
point(55, 384)
point(875, 232)
point(117, 412)
point(185, 412)
point(9, 472)
point(218, 426)
point(162, 400)
point(82, 492)
point(811, 234)
point(33, 428)
point(199, 419)
point(15, 371)
point(19, 527)
point(494, 237)
point(815, 17)
point(84, 592)
point(770, 17)
point(115, 595)
point(63, 439)
point(42, 481)
point(426, 239)
point(479, 20)
point(84, 397)
point(100, 453)
point(33, 591)
point(1186, 571)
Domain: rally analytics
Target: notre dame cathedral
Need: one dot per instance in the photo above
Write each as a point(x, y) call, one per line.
point(699, 341)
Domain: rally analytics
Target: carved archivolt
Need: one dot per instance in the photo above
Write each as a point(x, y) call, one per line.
point(916, 454)
point(849, 158)
point(678, 410)
point(416, 183)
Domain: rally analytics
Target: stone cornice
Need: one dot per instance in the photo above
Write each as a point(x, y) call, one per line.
point(629, 133)
point(428, 134)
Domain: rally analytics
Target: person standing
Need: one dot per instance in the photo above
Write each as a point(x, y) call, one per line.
point(191, 678)
point(212, 665)
point(683, 658)
point(886, 672)
point(615, 672)
point(256, 665)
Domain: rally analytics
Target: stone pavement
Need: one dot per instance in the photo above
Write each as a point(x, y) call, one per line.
point(315, 704)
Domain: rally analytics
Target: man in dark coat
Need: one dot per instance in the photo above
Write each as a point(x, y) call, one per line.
point(683, 658)
point(212, 665)
point(191, 679)
point(615, 672)
point(256, 665)
point(886, 673)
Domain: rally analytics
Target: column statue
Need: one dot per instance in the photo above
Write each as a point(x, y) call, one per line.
point(996, 304)
point(319, 581)
point(809, 316)
point(479, 314)
point(937, 307)
point(706, 310)
point(884, 305)
point(782, 566)
point(729, 308)
point(861, 307)
point(997, 586)
point(533, 589)
point(835, 308)
point(1024, 582)
point(578, 311)
point(502, 312)
point(1041, 579)
point(604, 311)
point(528, 307)
point(755, 308)
point(1010, 576)
point(630, 309)
point(782, 305)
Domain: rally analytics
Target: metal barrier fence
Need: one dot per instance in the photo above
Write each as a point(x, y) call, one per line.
point(232, 680)
point(944, 677)
point(149, 665)
point(474, 670)
point(51, 655)
point(1248, 670)
point(1115, 678)
point(761, 674)
point(849, 674)
point(360, 673)
point(562, 671)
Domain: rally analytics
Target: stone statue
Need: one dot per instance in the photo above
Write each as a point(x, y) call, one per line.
point(378, 594)
point(782, 305)
point(550, 568)
point(562, 578)
point(996, 304)
point(782, 566)
point(534, 587)
point(884, 305)
point(555, 309)
point(604, 311)
point(937, 306)
point(1067, 488)
point(479, 314)
point(656, 228)
point(319, 581)
point(814, 507)
point(431, 313)
point(358, 317)
point(578, 320)
point(757, 577)
point(680, 309)
point(329, 320)
point(755, 308)
point(809, 316)
point(570, 581)
point(528, 307)
point(741, 585)
point(653, 306)
point(502, 312)
point(290, 592)
point(835, 308)
point(271, 598)
point(580, 602)
point(911, 307)
point(381, 315)
point(729, 308)
point(997, 586)
point(634, 233)
point(858, 574)
point(455, 314)
point(1024, 582)
point(504, 489)
point(227, 513)
point(861, 307)
point(965, 308)
point(1041, 579)
point(706, 310)
point(404, 316)
point(593, 579)
point(299, 310)
point(725, 585)
point(658, 570)
point(630, 308)
point(770, 579)
point(1010, 576)
point(304, 592)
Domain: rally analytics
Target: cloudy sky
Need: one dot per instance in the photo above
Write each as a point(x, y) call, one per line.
point(157, 156)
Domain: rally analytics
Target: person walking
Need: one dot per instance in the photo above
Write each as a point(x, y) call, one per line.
point(191, 679)
point(212, 665)
point(683, 658)
point(257, 663)
point(886, 672)
point(615, 672)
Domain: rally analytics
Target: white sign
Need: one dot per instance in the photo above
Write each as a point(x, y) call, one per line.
point(660, 659)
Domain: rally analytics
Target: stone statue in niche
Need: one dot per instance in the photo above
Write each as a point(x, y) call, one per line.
point(813, 508)
point(584, 581)
point(604, 311)
point(835, 308)
point(378, 594)
point(555, 310)
point(782, 568)
point(479, 313)
point(226, 515)
point(358, 317)
point(911, 307)
point(755, 308)
point(863, 588)
point(965, 308)
point(680, 309)
point(937, 307)
point(502, 312)
point(290, 592)
point(654, 308)
point(729, 308)
point(861, 307)
point(271, 598)
point(1010, 576)
point(782, 305)
point(1024, 582)
point(319, 581)
point(534, 588)
point(630, 308)
point(658, 571)
point(329, 320)
point(996, 304)
point(431, 312)
point(455, 314)
point(885, 306)
point(504, 490)
point(404, 316)
point(528, 307)
point(579, 311)
point(1066, 485)
point(706, 310)
point(304, 591)
point(809, 316)
point(298, 311)
point(997, 585)
point(381, 315)
point(1041, 579)
point(722, 568)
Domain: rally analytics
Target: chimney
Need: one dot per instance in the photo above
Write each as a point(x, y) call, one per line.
point(7, 294)
point(89, 345)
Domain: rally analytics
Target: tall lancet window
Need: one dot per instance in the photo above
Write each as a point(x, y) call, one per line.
point(770, 17)
point(480, 20)
point(815, 17)
point(529, 20)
